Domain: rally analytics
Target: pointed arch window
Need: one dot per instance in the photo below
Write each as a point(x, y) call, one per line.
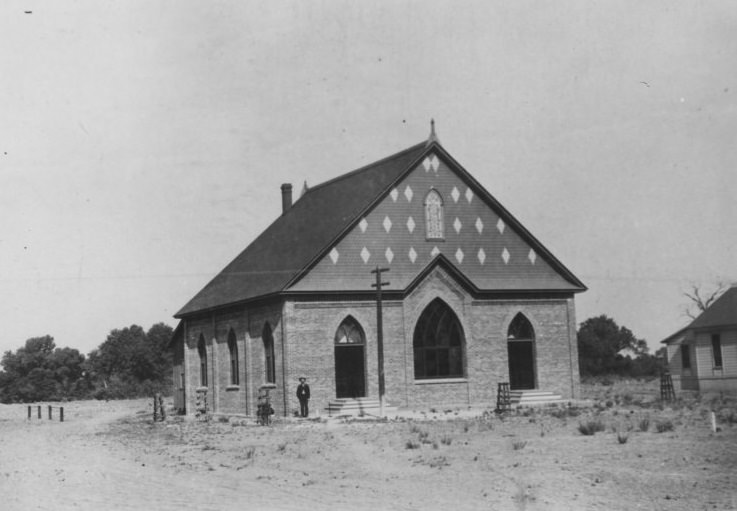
point(269, 359)
point(349, 332)
point(438, 343)
point(202, 351)
point(233, 351)
point(434, 215)
point(520, 329)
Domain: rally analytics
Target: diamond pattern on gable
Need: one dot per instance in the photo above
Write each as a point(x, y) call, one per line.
point(435, 251)
point(455, 194)
point(435, 163)
point(334, 255)
point(479, 224)
point(426, 163)
point(389, 255)
point(469, 195)
point(459, 255)
point(387, 224)
point(408, 193)
point(505, 255)
point(500, 226)
point(532, 256)
point(363, 224)
point(410, 224)
point(394, 193)
point(365, 255)
point(481, 255)
point(457, 225)
point(412, 254)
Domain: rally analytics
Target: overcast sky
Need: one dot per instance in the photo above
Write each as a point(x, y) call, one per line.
point(142, 143)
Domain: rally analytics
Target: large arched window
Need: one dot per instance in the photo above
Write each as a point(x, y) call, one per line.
point(433, 215)
point(233, 351)
point(438, 343)
point(269, 359)
point(202, 350)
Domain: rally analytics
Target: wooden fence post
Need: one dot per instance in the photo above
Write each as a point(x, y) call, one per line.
point(61, 414)
point(49, 412)
point(39, 411)
point(161, 408)
point(29, 412)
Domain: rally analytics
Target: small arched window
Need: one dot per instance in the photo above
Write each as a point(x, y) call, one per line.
point(434, 215)
point(202, 350)
point(438, 343)
point(269, 359)
point(349, 332)
point(520, 329)
point(233, 351)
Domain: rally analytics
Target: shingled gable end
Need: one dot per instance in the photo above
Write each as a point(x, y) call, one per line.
point(474, 299)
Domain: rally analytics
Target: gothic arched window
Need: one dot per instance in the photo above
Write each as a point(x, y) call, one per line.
point(269, 359)
point(202, 350)
point(349, 332)
point(438, 343)
point(520, 329)
point(233, 350)
point(433, 215)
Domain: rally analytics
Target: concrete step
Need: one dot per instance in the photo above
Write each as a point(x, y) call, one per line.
point(533, 397)
point(358, 406)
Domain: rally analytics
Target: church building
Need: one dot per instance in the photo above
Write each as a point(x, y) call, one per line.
point(470, 299)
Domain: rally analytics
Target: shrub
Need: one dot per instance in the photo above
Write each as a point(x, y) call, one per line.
point(411, 445)
point(591, 427)
point(663, 426)
point(622, 438)
point(446, 440)
point(644, 424)
point(519, 444)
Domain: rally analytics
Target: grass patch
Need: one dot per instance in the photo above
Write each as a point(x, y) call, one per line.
point(591, 427)
point(409, 444)
point(663, 426)
point(622, 438)
point(644, 424)
point(519, 444)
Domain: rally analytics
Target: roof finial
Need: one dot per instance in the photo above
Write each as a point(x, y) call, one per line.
point(433, 137)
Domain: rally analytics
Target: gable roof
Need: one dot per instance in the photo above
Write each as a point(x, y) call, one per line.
point(272, 260)
point(302, 235)
point(723, 312)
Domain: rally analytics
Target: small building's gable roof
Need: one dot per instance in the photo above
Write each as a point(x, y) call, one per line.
point(723, 312)
point(284, 256)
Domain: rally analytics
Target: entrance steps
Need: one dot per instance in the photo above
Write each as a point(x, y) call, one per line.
point(357, 407)
point(533, 397)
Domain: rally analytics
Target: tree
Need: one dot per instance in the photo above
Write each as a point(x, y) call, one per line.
point(606, 348)
point(132, 362)
point(700, 299)
point(40, 372)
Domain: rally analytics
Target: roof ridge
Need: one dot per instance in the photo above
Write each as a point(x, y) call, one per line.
point(365, 167)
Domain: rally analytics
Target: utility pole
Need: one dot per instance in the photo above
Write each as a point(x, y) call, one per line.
point(380, 334)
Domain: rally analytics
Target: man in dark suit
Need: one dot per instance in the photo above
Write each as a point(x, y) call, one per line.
point(303, 394)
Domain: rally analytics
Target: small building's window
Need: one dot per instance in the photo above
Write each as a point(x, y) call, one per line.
point(233, 350)
point(520, 329)
point(434, 215)
point(202, 350)
point(269, 359)
point(716, 350)
point(685, 356)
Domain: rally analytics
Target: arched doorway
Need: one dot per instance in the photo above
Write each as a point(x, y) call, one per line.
point(350, 367)
point(521, 353)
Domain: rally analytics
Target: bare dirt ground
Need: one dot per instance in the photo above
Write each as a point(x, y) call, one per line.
point(109, 456)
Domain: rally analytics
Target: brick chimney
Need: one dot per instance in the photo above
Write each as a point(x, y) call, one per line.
point(286, 197)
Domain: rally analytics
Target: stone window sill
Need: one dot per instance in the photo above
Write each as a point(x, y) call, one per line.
point(233, 387)
point(435, 381)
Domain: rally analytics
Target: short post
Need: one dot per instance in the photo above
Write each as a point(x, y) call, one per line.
point(713, 422)
point(39, 411)
point(49, 412)
point(161, 408)
point(156, 415)
point(29, 412)
point(61, 414)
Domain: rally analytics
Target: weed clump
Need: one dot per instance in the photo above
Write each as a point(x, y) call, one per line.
point(411, 445)
point(591, 427)
point(519, 444)
point(663, 426)
point(622, 438)
point(644, 424)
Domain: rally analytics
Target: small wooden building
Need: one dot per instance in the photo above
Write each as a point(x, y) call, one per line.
point(703, 355)
point(472, 299)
